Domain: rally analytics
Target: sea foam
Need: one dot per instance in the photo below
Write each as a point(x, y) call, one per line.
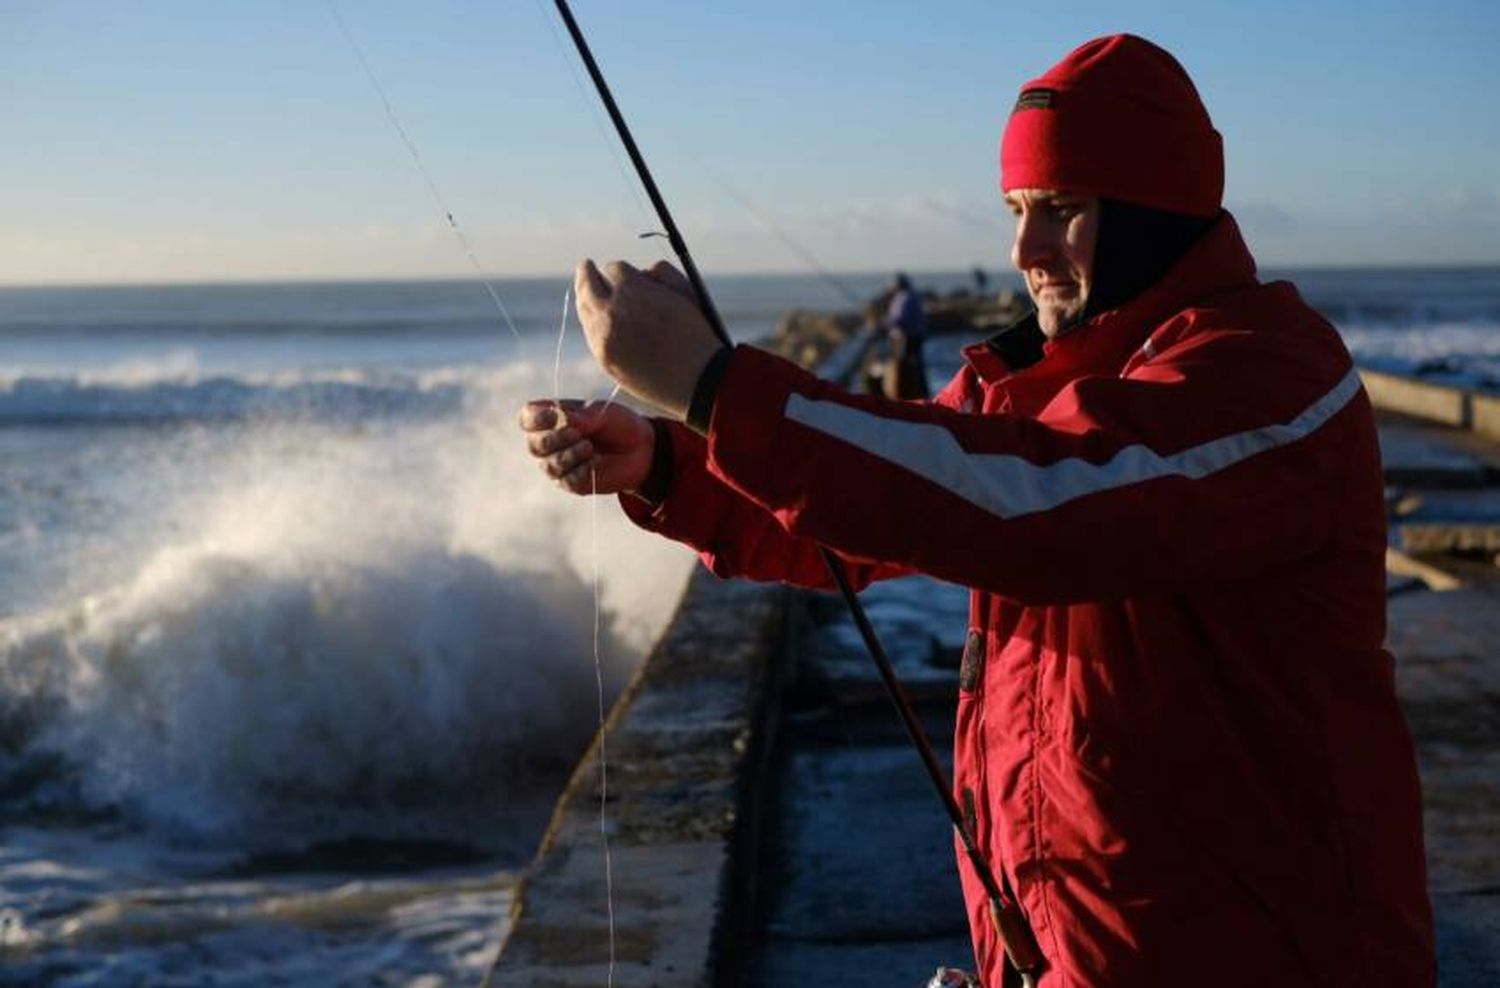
point(335, 630)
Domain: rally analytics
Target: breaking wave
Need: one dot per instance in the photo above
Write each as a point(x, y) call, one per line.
point(1462, 354)
point(128, 397)
point(329, 632)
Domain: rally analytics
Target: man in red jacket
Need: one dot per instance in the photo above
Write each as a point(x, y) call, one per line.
point(1178, 736)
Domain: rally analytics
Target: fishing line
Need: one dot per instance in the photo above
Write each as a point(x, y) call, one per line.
point(609, 868)
point(974, 219)
point(432, 186)
point(557, 358)
point(769, 224)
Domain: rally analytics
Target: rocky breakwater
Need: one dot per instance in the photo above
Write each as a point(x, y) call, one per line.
point(811, 338)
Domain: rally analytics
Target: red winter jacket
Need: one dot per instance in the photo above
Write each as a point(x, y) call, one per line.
point(1177, 727)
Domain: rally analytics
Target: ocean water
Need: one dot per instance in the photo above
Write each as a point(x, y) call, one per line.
point(295, 645)
point(1439, 323)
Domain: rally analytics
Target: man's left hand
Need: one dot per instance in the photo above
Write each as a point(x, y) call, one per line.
point(646, 330)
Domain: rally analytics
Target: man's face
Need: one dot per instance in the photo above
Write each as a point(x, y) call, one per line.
point(1054, 251)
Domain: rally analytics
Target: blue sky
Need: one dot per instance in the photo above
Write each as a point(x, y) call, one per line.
point(162, 141)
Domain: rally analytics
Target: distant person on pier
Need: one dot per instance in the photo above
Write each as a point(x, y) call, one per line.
point(1178, 739)
point(905, 326)
point(981, 281)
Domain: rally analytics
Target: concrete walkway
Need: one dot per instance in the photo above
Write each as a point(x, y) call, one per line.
point(859, 858)
point(1448, 668)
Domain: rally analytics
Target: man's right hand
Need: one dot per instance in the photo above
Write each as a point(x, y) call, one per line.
point(589, 448)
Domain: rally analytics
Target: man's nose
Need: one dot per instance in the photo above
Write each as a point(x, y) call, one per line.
point(1036, 243)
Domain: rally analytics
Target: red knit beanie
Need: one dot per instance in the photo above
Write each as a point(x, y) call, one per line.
point(1118, 118)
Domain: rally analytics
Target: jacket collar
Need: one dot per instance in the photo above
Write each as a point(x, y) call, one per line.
point(1217, 263)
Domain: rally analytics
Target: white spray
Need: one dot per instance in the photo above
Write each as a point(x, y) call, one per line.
point(344, 631)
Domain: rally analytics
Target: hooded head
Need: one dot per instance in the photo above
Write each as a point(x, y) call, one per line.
point(1118, 126)
point(1118, 118)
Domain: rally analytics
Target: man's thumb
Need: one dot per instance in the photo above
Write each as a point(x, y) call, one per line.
point(587, 417)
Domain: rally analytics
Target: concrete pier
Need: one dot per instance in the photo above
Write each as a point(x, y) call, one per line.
point(686, 752)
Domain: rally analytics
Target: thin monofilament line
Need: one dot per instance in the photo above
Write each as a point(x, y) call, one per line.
point(416, 158)
point(557, 357)
point(609, 871)
point(775, 229)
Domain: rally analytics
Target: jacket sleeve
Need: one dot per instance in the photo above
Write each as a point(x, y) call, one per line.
point(1222, 457)
point(734, 535)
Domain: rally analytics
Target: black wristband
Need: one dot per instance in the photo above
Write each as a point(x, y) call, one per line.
point(658, 482)
point(701, 409)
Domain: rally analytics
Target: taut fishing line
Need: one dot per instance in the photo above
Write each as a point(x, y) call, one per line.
point(609, 868)
point(557, 357)
point(768, 223)
point(432, 186)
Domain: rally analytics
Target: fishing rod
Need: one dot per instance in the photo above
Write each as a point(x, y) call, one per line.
point(1015, 933)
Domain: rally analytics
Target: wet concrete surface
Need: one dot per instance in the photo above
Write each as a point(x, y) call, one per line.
point(1447, 648)
point(1411, 458)
point(684, 746)
point(1443, 486)
point(1448, 521)
point(859, 876)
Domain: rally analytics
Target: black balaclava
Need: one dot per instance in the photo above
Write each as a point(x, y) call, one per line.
point(1135, 247)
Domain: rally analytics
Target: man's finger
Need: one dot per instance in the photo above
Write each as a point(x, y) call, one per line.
point(585, 417)
point(619, 272)
point(665, 273)
point(561, 464)
point(543, 413)
point(551, 441)
point(579, 480)
point(589, 285)
point(537, 415)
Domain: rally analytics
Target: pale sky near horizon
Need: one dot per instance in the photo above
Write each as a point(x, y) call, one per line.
point(172, 140)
